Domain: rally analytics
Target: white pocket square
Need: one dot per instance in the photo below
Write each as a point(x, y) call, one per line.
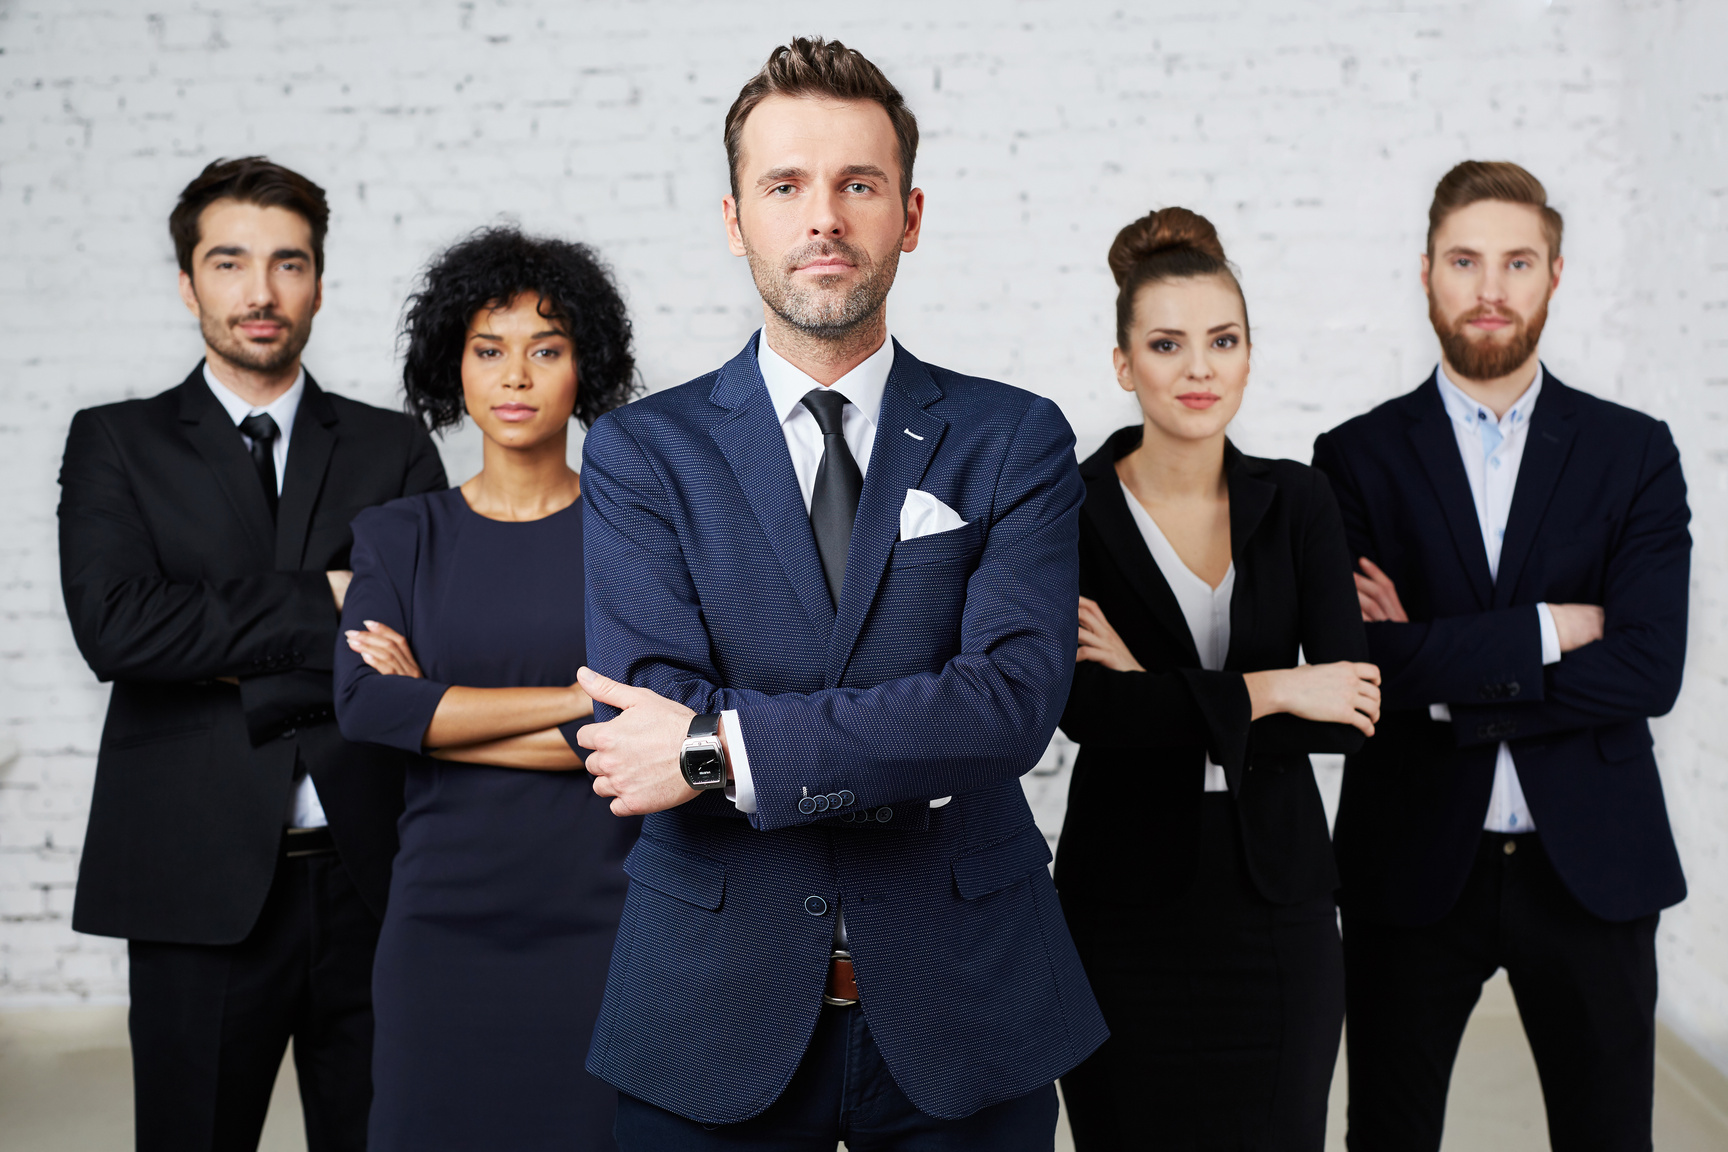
point(924, 515)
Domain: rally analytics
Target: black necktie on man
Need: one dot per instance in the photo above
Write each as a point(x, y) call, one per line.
point(262, 431)
point(834, 499)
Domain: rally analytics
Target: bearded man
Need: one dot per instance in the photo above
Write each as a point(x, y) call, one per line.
point(831, 620)
point(1524, 560)
point(238, 843)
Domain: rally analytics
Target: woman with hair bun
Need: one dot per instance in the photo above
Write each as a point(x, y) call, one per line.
point(463, 634)
point(1195, 866)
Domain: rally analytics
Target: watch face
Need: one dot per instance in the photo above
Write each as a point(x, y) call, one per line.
point(704, 765)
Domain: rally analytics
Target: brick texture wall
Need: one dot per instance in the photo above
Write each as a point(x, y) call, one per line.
point(1310, 132)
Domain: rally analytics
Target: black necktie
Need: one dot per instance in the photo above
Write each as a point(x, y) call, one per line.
point(262, 431)
point(834, 501)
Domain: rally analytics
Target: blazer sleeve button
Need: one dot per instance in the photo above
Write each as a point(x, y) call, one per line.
point(846, 798)
point(815, 905)
point(821, 803)
point(1513, 688)
point(883, 815)
point(834, 801)
point(807, 805)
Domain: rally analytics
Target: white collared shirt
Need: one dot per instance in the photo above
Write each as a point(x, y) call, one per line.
point(1207, 609)
point(787, 387)
point(1492, 451)
point(305, 810)
point(282, 410)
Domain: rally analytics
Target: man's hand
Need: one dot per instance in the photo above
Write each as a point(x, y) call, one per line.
point(1378, 595)
point(1577, 624)
point(634, 756)
point(339, 580)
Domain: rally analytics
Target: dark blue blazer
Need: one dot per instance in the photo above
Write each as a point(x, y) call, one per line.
point(941, 673)
point(1598, 516)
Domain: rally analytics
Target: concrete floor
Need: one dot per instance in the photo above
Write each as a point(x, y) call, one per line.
point(65, 1086)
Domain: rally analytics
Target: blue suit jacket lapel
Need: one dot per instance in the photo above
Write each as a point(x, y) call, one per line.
point(1546, 447)
point(906, 439)
point(755, 446)
point(1437, 448)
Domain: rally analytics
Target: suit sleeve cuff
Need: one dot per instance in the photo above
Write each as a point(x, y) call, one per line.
point(740, 791)
point(1550, 635)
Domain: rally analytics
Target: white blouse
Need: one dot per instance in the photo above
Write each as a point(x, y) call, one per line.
point(1207, 609)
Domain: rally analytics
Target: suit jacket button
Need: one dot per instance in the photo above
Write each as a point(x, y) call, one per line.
point(815, 905)
point(821, 803)
point(883, 815)
point(834, 800)
point(1513, 688)
point(846, 798)
point(807, 805)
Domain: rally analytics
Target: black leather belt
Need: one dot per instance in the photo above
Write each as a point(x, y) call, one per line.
point(307, 842)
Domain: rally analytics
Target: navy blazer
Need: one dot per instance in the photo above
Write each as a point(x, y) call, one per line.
point(1599, 517)
point(941, 673)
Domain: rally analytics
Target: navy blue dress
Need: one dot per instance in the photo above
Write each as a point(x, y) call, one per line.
point(507, 891)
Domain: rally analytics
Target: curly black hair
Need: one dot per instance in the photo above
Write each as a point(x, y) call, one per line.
point(490, 268)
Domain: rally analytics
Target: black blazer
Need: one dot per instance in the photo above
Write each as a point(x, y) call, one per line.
point(1599, 516)
point(173, 577)
point(1134, 802)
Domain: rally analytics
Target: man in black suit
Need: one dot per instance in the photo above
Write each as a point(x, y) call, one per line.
point(235, 840)
point(1524, 554)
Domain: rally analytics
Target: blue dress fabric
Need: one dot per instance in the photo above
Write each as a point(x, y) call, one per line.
point(506, 894)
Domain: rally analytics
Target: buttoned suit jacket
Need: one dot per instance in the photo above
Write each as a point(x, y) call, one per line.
point(174, 577)
point(941, 672)
point(1598, 516)
point(1147, 734)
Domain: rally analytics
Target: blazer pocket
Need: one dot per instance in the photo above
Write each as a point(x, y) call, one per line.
point(158, 736)
point(681, 875)
point(994, 867)
point(939, 547)
point(1619, 742)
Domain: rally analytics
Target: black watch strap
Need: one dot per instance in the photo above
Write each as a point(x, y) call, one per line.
point(705, 725)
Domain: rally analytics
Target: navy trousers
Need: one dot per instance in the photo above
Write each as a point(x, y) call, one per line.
point(843, 1091)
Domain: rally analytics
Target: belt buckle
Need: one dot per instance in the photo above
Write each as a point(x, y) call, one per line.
point(835, 957)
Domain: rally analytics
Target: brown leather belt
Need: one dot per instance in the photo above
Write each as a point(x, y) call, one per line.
point(297, 842)
point(842, 990)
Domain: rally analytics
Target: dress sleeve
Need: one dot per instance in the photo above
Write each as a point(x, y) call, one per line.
point(372, 708)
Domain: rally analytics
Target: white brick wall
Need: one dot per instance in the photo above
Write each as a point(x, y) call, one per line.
point(1311, 132)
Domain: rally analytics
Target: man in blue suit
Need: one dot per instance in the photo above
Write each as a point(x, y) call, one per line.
point(1524, 553)
point(831, 622)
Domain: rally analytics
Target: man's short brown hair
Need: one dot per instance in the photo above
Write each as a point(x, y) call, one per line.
point(1475, 180)
point(818, 67)
point(250, 180)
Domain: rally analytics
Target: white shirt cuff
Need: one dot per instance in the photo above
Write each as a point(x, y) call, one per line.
point(1440, 712)
point(1550, 635)
point(741, 791)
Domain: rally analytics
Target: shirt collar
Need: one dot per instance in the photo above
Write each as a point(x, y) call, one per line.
point(1464, 410)
point(787, 384)
point(281, 409)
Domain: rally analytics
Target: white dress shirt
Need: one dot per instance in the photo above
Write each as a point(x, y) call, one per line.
point(1207, 609)
point(305, 810)
point(1492, 451)
point(787, 386)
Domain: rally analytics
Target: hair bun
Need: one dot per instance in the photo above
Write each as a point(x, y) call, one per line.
point(1160, 231)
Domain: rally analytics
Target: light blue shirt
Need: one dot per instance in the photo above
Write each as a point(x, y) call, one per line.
point(1492, 450)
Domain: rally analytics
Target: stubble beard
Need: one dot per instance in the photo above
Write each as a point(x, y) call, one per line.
point(1487, 357)
point(223, 339)
point(819, 314)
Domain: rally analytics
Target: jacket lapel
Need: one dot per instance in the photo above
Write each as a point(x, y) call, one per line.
point(1107, 507)
point(1436, 447)
point(218, 441)
point(1250, 497)
point(1546, 447)
point(309, 451)
point(754, 445)
point(897, 462)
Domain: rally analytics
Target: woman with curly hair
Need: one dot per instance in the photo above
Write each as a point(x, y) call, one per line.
point(463, 631)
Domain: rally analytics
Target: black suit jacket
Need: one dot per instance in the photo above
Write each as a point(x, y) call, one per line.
point(174, 577)
point(1134, 802)
point(1598, 516)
